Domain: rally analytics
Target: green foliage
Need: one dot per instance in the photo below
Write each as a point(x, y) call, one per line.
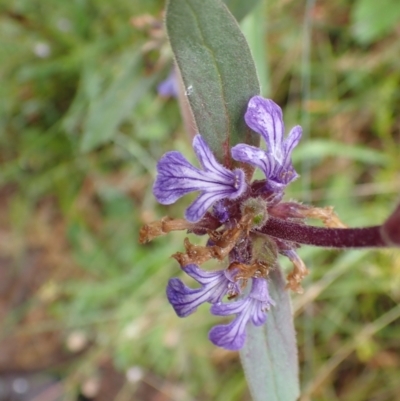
point(319, 149)
point(372, 20)
point(69, 223)
point(110, 107)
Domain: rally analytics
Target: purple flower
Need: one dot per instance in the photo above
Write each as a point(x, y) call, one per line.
point(214, 286)
point(169, 87)
point(265, 117)
point(177, 177)
point(252, 307)
point(220, 212)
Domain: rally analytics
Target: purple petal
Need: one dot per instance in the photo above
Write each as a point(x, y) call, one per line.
point(265, 117)
point(203, 277)
point(258, 316)
point(206, 199)
point(230, 336)
point(261, 301)
point(176, 177)
point(231, 308)
point(220, 212)
point(290, 143)
point(259, 291)
point(207, 159)
point(199, 207)
point(215, 285)
point(252, 307)
point(183, 299)
point(186, 300)
point(254, 156)
point(286, 176)
point(169, 87)
point(273, 171)
point(233, 183)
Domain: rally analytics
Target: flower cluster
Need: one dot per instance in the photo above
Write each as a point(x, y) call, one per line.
point(234, 213)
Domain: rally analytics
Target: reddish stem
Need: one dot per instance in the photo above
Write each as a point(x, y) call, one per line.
point(387, 235)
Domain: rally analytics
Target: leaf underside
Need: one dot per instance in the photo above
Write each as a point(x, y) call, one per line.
point(269, 357)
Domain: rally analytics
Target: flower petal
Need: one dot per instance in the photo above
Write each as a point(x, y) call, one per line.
point(234, 181)
point(290, 143)
point(203, 277)
point(254, 156)
point(183, 299)
point(230, 308)
point(169, 87)
point(207, 159)
point(259, 291)
point(201, 204)
point(258, 316)
point(265, 117)
point(221, 212)
point(176, 177)
point(252, 307)
point(230, 336)
point(214, 286)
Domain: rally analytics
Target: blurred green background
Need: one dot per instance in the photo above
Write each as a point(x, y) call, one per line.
point(82, 306)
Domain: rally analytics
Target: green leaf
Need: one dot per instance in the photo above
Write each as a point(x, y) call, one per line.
point(372, 20)
point(108, 109)
point(269, 357)
point(240, 8)
point(217, 70)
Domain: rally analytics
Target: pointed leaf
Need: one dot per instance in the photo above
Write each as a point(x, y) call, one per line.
point(217, 69)
point(269, 357)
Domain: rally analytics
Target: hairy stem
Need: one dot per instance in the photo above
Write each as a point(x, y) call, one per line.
point(387, 235)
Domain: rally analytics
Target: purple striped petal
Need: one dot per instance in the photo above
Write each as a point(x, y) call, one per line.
point(252, 308)
point(177, 177)
point(214, 286)
point(265, 117)
point(254, 156)
point(230, 336)
point(199, 207)
point(291, 142)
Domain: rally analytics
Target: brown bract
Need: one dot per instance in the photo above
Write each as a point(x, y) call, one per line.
point(325, 214)
point(223, 243)
point(296, 276)
point(158, 228)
